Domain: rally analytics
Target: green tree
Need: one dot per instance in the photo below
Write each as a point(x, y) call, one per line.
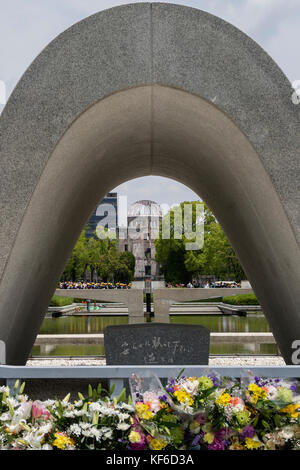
point(216, 257)
point(77, 263)
point(100, 255)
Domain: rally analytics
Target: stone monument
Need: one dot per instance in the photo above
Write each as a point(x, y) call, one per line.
point(156, 344)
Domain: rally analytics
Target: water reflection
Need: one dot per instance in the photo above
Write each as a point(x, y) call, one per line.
point(97, 323)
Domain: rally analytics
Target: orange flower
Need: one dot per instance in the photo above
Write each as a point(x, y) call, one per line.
point(234, 401)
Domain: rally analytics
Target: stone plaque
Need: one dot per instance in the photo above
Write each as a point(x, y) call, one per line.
point(156, 344)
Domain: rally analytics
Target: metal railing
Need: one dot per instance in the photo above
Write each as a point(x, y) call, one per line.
point(119, 375)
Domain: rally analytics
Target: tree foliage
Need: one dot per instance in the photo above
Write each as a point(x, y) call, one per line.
point(216, 257)
point(99, 255)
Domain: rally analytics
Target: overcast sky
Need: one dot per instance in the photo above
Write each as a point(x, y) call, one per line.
point(27, 26)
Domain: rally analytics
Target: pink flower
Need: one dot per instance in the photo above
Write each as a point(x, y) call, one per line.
point(39, 411)
point(152, 401)
point(201, 418)
point(216, 445)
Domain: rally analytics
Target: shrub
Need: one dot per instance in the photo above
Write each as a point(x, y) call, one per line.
point(58, 301)
point(242, 299)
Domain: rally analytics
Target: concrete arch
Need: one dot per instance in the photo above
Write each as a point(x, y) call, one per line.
point(148, 89)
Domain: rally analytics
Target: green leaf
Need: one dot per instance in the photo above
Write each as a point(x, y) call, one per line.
point(90, 391)
point(112, 389)
point(265, 424)
point(95, 418)
point(122, 396)
point(22, 388)
point(255, 421)
point(99, 388)
point(277, 421)
point(17, 384)
point(11, 409)
point(81, 397)
point(67, 398)
point(180, 373)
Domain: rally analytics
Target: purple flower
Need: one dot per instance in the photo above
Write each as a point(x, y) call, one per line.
point(248, 431)
point(163, 398)
point(215, 380)
point(226, 443)
point(201, 418)
point(170, 389)
point(216, 445)
point(220, 434)
point(196, 440)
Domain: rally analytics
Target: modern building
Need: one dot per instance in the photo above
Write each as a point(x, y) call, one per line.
point(105, 213)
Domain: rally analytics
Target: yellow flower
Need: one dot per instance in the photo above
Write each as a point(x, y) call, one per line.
point(257, 392)
point(183, 397)
point(143, 411)
point(252, 444)
point(223, 399)
point(134, 436)
point(208, 437)
point(195, 426)
point(236, 446)
point(158, 444)
point(62, 441)
point(291, 409)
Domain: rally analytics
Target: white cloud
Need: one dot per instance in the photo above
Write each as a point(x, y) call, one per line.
point(159, 189)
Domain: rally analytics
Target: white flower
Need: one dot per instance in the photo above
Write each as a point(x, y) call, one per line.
point(69, 414)
point(123, 426)
point(84, 425)
point(123, 416)
point(191, 386)
point(95, 407)
point(19, 418)
point(272, 392)
point(4, 389)
point(228, 411)
point(47, 403)
point(74, 429)
point(126, 406)
point(287, 433)
point(80, 413)
point(12, 401)
point(107, 433)
point(36, 436)
point(5, 416)
point(46, 447)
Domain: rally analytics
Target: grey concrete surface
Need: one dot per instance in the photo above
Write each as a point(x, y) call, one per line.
point(98, 338)
point(148, 89)
point(133, 298)
point(164, 298)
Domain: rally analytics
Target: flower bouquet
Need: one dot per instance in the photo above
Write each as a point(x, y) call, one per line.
point(154, 413)
point(274, 408)
point(191, 396)
point(224, 413)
